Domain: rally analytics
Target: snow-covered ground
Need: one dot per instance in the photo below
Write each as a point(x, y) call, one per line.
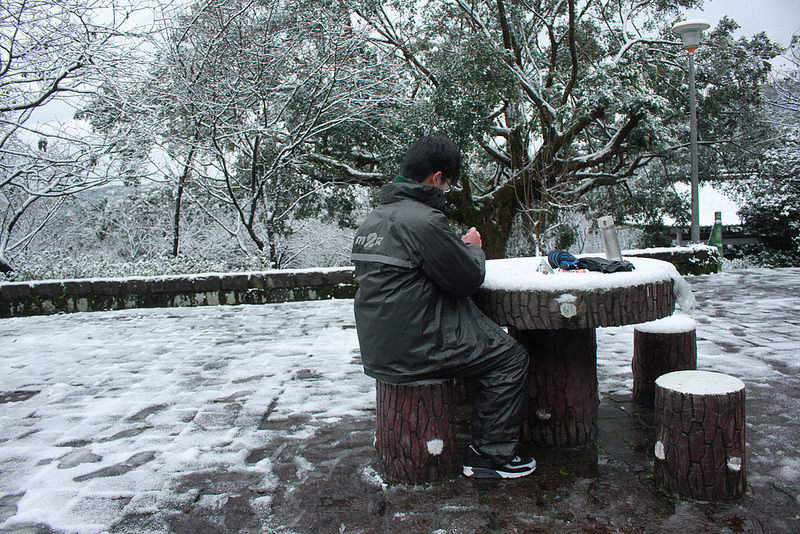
point(123, 404)
point(178, 390)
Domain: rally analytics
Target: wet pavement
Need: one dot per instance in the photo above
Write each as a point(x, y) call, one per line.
point(604, 490)
point(314, 474)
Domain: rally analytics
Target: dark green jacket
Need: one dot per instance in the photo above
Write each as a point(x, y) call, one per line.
point(414, 317)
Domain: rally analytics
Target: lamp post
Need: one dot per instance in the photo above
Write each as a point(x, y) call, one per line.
point(690, 32)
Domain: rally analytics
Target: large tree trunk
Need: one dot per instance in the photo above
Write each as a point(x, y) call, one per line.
point(495, 225)
point(522, 195)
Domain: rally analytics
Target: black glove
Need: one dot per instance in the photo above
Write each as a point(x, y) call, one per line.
point(604, 266)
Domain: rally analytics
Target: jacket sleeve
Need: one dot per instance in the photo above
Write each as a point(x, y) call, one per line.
point(457, 268)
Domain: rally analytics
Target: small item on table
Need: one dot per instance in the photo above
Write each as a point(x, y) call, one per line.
point(544, 268)
point(609, 234)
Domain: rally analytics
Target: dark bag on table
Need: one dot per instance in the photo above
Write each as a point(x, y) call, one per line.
point(604, 266)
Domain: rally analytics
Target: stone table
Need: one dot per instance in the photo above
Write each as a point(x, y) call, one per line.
point(555, 316)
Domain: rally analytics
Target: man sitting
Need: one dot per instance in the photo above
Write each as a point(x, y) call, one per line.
point(414, 317)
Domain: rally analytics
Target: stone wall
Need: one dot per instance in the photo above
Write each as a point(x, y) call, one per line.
point(58, 296)
point(212, 289)
point(691, 259)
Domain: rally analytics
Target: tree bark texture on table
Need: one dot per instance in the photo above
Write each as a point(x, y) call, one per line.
point(655, 354)
point(562, 399)
point(557, 329)
point(700, 444)
point(577, 309)
point(415, 434)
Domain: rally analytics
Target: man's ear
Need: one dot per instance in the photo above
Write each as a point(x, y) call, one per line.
point(437, 176)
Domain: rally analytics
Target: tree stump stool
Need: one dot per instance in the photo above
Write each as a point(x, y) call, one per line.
point(660, 347)
point(416, 431)
point(700, 440)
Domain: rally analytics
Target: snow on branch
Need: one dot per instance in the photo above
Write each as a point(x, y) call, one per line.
point(633, 42)
point(368, 178)
point(611, 148)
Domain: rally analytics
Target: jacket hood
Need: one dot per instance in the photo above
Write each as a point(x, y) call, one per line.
point(426, 194)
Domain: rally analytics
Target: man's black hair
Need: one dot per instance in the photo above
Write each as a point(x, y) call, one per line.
point(430, 154)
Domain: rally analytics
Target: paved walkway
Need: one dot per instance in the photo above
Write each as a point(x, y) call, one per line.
point(258, 419)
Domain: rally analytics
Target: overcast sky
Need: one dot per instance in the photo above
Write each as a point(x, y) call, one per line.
point(779, 18)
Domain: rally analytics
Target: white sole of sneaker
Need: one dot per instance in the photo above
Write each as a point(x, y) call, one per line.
point(482, 472)
point(531, 464)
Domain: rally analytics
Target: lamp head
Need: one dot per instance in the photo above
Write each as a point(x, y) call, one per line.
point(690, 32)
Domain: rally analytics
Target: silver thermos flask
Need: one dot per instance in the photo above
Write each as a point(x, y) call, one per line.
point(609, 234)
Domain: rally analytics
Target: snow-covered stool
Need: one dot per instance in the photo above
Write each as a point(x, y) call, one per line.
point(700, 442)
point(416, 431)
point(659, 347)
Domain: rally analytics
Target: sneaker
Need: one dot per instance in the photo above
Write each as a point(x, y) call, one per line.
point(477, 465)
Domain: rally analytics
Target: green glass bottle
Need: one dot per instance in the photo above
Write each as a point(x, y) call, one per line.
point(715, 239)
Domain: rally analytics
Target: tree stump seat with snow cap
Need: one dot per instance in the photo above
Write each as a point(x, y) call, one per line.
point(416, 432)
point(700, 440)
point(660, 347)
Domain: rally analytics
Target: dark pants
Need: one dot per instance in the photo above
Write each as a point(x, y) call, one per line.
point(497, 405)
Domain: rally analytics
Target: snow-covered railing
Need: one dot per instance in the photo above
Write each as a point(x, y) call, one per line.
point(207, 289)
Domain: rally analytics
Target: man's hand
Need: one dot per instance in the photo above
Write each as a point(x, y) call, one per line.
point(472, 237)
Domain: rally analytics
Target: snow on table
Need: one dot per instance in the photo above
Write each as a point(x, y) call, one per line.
point(519, 274)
